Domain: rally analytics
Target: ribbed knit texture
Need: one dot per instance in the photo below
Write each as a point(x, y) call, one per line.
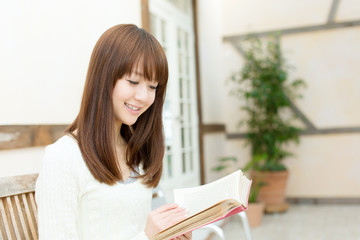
point(72, 204)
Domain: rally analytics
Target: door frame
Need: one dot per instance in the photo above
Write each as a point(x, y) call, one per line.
point(145, 19)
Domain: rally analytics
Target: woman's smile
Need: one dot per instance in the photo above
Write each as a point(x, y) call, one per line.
point(132, 107)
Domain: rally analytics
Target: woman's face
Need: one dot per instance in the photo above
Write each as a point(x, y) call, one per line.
point(132, 96)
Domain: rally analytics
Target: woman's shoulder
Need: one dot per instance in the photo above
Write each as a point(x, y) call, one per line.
point(64, 149)
point(66, 142)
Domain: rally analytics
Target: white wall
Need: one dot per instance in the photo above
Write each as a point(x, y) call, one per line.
point(324, 165)
point(45, 50)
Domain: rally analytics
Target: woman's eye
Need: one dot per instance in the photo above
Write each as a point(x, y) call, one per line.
point(153, 87)
point(133, 82)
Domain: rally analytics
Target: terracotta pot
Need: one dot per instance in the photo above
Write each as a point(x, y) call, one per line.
point(255, 213)
point(273, 192)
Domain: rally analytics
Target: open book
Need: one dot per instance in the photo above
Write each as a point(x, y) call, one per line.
point(209, 203)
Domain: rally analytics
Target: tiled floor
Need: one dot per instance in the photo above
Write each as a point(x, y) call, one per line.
point(305, 222)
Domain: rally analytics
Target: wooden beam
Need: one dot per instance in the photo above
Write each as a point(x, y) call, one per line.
point(307, 132)
point(236, 135)
point(23, 136)
point(145, 15)
point(213, 128)
point(341, 130)
point(289, 31)
point(333, 10)
point(303, 118)
point(323, 200)
point(198, 93)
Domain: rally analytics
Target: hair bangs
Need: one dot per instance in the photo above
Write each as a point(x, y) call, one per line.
point(155, 67)
point(146, 51)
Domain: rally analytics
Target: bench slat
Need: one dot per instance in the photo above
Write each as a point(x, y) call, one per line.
point(4, 226)
point(31, 213)
point(15, 218)
point(22, 217)
point(18, 210)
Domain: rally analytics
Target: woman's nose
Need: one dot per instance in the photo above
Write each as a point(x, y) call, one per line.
point(141, 93)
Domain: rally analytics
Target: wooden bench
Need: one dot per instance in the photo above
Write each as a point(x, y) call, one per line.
point(18, 212)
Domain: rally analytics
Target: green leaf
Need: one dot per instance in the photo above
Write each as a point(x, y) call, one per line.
point(227, 159)
point(218, 168)
point(263, 84)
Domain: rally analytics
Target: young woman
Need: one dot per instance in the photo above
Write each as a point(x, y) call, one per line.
point(96, 180)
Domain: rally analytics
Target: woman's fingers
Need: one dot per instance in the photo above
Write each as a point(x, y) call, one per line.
point(166, 207)
point(175, 212)
point(185, 236)
point(168, 212)
point(163, 217)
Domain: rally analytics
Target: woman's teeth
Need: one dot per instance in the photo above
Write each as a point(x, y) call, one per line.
point(132, 107)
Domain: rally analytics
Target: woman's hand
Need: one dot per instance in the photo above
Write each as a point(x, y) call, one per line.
point(164, 217)
point(185, 236)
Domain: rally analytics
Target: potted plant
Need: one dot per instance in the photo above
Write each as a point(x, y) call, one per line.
point(264, 84)
point(255, 209)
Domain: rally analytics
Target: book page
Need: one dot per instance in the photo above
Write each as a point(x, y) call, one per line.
point(245, 190)
point(199, 198)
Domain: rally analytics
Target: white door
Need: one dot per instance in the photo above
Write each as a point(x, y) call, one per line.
point(171, 22)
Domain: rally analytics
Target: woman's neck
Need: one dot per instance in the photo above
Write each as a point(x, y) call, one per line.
point(120, 147)
point(119, 141)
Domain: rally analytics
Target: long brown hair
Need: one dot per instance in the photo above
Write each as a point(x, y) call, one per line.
point(117, 53)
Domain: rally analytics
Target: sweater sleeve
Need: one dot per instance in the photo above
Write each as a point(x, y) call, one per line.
point(56, 195)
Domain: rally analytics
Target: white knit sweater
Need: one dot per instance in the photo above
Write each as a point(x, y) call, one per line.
point(72, 204)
